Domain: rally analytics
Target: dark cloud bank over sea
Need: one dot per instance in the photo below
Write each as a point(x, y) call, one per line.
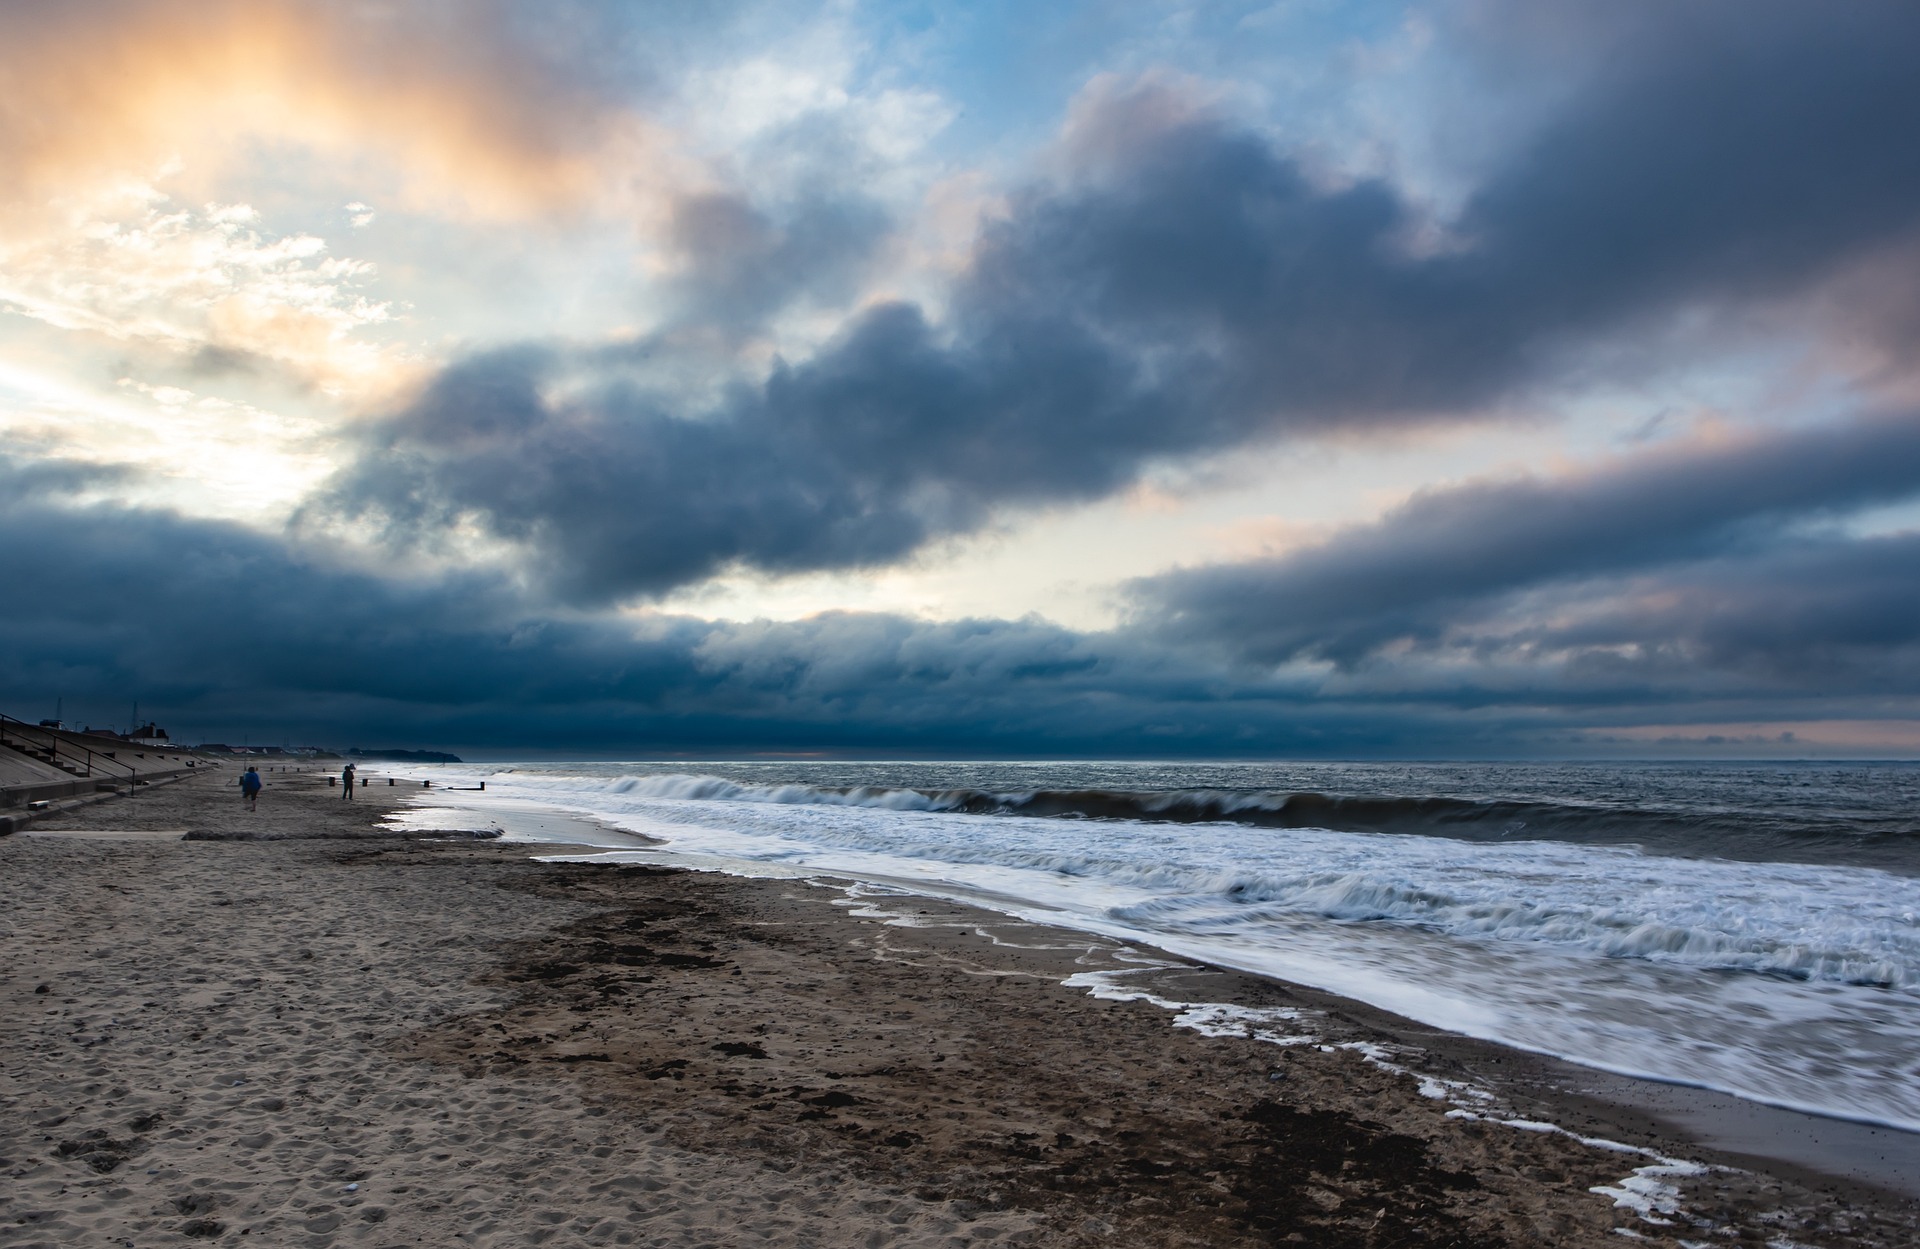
point(219, 627)
point(1179, 286)
point(1715, 554)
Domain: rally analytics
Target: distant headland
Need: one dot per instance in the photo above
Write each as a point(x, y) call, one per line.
point(405, 756)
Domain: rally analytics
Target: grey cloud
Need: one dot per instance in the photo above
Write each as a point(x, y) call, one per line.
point(214, 360)
point(1731, 149)
point(1836, 615)
point(1443, 561)
point(221, 632)
point(745, 263)
point(24, 481)
point(213, 626)
point(1188, 291)
point(855, 457)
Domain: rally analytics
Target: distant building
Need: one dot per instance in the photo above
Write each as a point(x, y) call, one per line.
point(148, 734)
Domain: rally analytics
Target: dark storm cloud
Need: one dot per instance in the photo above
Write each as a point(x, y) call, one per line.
point(112, 597)
point(1730, 149)
point(1835, 615)
point(1441, 562)
point(1186, 288)
point(221, 632)
point(855, 457)
point(214, 626)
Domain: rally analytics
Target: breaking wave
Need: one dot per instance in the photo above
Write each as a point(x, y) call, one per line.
point(1689, 832)
point(1525, 881)
point(1754, 929)
point(1795, 938)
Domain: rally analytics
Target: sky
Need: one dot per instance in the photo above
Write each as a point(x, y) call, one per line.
point(1096, 378)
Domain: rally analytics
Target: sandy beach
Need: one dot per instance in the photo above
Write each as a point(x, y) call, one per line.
point(295, 1028)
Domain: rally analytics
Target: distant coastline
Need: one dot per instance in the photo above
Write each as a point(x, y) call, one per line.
point(404, 756)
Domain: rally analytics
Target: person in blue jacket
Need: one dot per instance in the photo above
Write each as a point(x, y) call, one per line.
point(250, 786)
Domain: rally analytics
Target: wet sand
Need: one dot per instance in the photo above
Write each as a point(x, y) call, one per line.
point(322, 1034)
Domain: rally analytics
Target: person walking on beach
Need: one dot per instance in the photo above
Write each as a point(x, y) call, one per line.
point(250, 786)
point(346, 781)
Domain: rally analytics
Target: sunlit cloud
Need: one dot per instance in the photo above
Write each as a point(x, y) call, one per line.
point(197, 452)
point(133, 266)
point(454, 115)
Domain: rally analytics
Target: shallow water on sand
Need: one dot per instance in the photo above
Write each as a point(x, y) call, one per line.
point(1754, 929)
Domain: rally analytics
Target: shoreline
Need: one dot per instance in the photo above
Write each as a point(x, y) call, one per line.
point(728, 1038)
point(1724, 1128)
point(1814, 1146)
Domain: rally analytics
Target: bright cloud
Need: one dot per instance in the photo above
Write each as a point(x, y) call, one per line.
point(133, 266)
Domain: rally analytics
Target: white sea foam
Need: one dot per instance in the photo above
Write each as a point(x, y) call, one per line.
point(1648, 1190)
point(1790, 983)
point(718, 789)
point(1276, 1025)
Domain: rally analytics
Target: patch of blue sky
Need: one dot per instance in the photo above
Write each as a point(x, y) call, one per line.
point(1016, 67)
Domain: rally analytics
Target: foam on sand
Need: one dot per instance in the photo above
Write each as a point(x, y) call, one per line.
point(1788, 983)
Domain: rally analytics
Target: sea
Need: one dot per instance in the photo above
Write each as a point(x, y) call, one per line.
point(1747, 928)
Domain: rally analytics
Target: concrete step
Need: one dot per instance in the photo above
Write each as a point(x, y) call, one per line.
point(45, 755)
